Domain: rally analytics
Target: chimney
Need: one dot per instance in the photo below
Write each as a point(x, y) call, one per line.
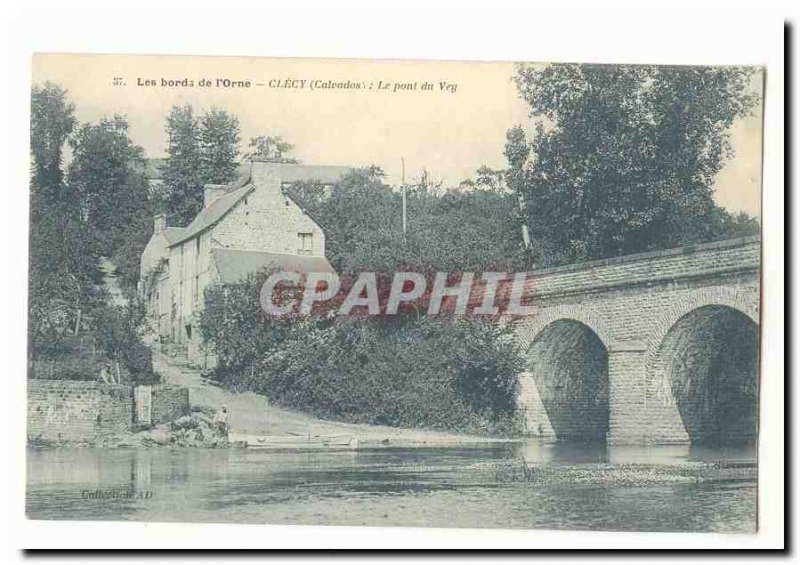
point(211, 192)
point(159, 223)
point(266, 175)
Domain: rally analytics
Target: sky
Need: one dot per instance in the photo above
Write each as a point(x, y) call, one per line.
point(449, 129)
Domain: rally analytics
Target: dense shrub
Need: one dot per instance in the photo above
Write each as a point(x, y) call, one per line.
point(456, 374)
point(110, 341)
point(233, 328)
point(70, 358)
point(118, 338)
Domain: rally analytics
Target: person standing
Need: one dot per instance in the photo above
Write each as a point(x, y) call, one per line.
point(221, 421)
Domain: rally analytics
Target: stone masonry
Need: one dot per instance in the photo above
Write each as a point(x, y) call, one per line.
point(169, 403)
point(631, 304)
point(88, 411)
point(77, 410)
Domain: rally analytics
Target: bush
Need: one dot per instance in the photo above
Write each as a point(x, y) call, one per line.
point(233, 328)
point(70, 358)
point(449, 374)
point(117, 332)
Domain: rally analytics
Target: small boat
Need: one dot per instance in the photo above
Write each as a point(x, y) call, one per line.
point(295, 441)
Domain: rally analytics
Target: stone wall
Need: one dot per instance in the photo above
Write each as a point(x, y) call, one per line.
point(61, 410)
point(169, 403)
point(86, 411)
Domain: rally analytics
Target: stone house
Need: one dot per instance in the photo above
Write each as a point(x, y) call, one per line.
point(243, 227)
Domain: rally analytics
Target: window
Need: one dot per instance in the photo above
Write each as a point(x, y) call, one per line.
point(305, 243)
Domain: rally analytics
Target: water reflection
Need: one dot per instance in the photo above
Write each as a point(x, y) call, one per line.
point(542, 453)
point(525, 485)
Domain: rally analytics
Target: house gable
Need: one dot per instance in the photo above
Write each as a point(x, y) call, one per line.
point(268, 220)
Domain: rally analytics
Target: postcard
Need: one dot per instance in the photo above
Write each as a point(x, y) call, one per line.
point(352, 292)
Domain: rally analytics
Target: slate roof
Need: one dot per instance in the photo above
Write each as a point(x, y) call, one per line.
point(173, 234)
point(212, 213)
point(235, 264)
point(326, 174)
point(243, 186)
point(153, 168)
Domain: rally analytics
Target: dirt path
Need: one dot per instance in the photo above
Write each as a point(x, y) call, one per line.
point(251, 413)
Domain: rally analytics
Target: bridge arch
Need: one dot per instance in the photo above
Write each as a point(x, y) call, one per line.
point(568, 362)
point(530, 328)
point(705, 364)
point(743, 301)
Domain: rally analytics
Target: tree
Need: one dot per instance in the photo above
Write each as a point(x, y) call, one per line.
point(63, 274)
point(623, 158)
point(735, 225)
point(52, 121)
point(120, 340)
point(219, 146)
point(183, 173)
point(105, 175)
point(199, 152)
point(448, 231)
point(270, 149)
point(490, 179)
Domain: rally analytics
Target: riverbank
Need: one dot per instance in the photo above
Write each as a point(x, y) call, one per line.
point(251, 413)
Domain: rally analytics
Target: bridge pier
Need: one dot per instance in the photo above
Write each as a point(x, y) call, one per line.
point(636, 415)
point(627, 410)
point(535, 419)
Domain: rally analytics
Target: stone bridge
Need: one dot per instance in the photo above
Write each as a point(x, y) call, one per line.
point(658, 347)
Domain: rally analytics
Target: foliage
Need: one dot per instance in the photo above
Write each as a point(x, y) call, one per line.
point(403, 370)
point(362, 219)
point(734, 225)
point(64, 282)
point(183, 178)
point(63, 279)
point(231, 324)
point(119, 339)
point(623, 158)
point(200, 151)
point(106, 177)
point(101, 208)
point(52, 120)
point(270, 149)
point(70, 358)
point(493, 180)
point(219, 146)
point(443, 374)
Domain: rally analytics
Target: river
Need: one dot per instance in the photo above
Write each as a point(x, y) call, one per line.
point(511, 485)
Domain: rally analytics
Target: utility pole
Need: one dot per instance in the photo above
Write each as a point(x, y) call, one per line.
point(526, 237)
point(403, 165)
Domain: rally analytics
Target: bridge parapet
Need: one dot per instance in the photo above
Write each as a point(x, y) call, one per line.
point(698, 261)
